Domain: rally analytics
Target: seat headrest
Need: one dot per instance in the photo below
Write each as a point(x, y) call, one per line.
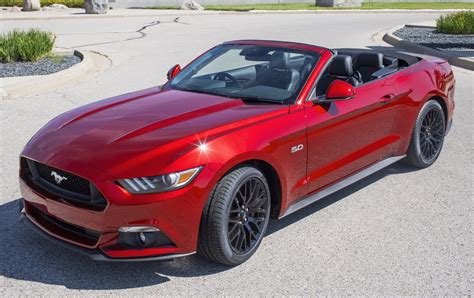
point(280, 60)
point(369, 59)
point(341, 66)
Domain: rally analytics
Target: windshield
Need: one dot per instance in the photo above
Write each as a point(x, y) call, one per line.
point(252, 73)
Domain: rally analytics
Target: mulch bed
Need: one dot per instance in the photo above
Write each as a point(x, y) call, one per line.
point(430, 38)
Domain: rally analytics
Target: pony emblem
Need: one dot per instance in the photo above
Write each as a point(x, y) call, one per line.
point(58, 178)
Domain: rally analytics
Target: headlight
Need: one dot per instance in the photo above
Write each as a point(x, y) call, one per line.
point(159, 183)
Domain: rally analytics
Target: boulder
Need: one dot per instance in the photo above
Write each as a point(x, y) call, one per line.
point(31, 5)
point(339, 3)
point(15, 9)
point(96, 6)
point(54, 7)
point(191, 5)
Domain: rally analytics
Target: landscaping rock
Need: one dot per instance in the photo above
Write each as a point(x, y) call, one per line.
point(339, 3)
point(15, 9)
point(43, 67)
point(191, 5)
point(96, 6)
point(31, 5)
point(55, 7)
point(428, 37)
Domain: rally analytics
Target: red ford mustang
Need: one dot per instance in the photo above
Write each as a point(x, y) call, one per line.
point(247, 131)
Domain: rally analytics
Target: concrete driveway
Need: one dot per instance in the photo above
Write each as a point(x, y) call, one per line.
point(399, 231)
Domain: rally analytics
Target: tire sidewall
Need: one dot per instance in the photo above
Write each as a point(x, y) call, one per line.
point(428, 106)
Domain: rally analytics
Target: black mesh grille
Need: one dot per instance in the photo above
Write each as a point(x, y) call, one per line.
point(66, 180)
point(61, 185)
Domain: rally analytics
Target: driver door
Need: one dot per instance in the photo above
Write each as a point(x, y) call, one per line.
point(347, 135)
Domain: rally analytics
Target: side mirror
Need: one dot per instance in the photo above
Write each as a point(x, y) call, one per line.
point(173, 71)
point(339, 90)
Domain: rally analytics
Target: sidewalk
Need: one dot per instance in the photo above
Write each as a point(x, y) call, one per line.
point(71, 13)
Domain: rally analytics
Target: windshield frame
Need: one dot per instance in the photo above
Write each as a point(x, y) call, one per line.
point(196, 63)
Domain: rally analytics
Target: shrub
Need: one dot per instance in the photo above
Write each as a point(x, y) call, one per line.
point(68, 3)
point(31, 45)
point(456, 23)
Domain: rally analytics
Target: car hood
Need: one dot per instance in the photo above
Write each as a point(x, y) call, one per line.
point(107, 132)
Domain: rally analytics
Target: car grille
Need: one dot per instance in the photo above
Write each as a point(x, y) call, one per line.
point(72, 183)
point(69, 187)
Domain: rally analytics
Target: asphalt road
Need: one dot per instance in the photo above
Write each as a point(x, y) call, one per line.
point(399, 231)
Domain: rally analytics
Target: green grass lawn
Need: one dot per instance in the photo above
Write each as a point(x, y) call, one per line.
point(68, 3)
point(366, 5)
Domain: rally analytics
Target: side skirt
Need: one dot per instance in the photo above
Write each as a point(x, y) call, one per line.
point(341, 184)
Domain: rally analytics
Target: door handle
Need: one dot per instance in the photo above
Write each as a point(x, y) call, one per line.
point(387, 98)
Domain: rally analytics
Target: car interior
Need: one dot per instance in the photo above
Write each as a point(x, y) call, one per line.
point(261, 72)
point(258, 73)
point(358, 66)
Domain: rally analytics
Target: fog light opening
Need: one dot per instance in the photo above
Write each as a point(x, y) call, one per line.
point(142, 237)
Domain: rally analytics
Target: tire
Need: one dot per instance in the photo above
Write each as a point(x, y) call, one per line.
point(428, 136)
point(228, 213)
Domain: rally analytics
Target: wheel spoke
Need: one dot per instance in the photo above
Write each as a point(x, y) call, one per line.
point(251, 233)
point(247, 215)
point(241, 241)
point(431, 134)
point(235, 235)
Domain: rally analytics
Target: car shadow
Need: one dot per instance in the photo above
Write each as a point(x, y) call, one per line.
point(28, 256)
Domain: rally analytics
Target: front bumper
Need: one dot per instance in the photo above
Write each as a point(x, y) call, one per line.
point(176, 214)
point(96, 254)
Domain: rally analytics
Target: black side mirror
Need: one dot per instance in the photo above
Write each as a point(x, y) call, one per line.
point(173, 71)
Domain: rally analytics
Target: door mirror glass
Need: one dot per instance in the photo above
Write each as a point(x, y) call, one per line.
point(173, 71)
point(339, 90)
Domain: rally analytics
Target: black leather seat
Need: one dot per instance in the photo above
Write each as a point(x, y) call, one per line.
point(279, 73)
point(367, 63)
point(340, 69)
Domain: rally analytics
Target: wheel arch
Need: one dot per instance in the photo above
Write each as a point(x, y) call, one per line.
point(273, 179)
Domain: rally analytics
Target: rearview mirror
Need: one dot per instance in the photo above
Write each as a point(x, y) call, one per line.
point(339, 90)
point(173, 71)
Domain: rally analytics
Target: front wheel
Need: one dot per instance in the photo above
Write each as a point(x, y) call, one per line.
point(236, 217)
point(428, 136)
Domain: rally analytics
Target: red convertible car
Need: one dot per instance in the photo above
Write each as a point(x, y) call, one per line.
point(248, 131)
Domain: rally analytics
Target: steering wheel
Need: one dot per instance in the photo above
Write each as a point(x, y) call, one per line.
point(222, 76)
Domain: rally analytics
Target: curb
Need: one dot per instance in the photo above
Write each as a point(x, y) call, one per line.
point(92, 64)
point(181, 13)
point(389, 37)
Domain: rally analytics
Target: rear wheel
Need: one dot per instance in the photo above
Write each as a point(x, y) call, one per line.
point(428, 136)
point(236, 217)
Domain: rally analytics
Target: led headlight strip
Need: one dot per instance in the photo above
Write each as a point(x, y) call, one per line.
point(160, 183)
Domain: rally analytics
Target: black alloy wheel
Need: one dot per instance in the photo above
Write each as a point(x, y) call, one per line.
point(431, 134)
point(236, 216)
point(247, 215)
point(428, 135)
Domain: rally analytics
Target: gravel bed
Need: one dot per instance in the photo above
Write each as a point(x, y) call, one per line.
point(439, 41)
point(43, 67)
